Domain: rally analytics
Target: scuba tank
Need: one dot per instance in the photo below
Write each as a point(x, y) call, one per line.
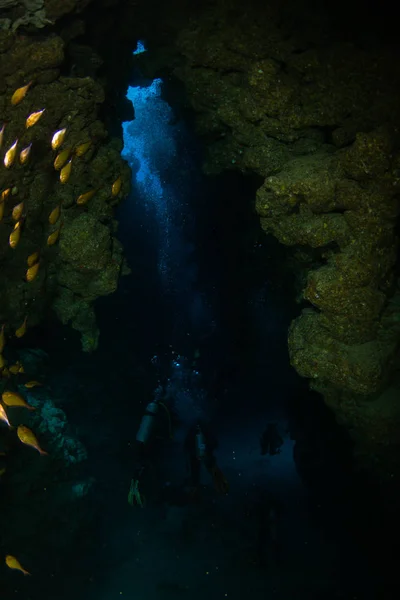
point(147, 423)
point(200, 444)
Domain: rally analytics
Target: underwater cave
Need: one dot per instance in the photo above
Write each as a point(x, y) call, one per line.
point(199, 300)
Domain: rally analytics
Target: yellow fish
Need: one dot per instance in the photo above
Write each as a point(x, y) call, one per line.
point(34, 118)
point(62, 158)
point(24, 154)
point(58, 138)
point(53, 237)
point(116, 187)
point(17, 368)
point(17, 211)
point(21, 329)
point(54, 215)
point(31, 384)
point(15, 235)
point(32, 259)
point(1, 210)
point(9, 156)
point(3, 362)
point(13, 563)
point(5, 194)
point(20, 94)
point(2, 135)
point(83, 198)
point(13, 400)
point(32, 272)
point(82, 148)
point(28, 437)
point(3, 415)
point(2, 338)
point(66, 171)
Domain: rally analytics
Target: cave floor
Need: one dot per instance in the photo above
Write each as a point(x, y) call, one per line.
point(209, 548)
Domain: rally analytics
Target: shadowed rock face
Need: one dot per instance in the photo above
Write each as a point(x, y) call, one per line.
point(85, 261)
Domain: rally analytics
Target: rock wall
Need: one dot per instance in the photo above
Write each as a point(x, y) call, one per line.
point(82, 260)
point(318, 118)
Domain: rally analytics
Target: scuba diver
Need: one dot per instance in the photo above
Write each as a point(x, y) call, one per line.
point(199, 448)
point(182, 392)
point(151, 427)
point(271, 440)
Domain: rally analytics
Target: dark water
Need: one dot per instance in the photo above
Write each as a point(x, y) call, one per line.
point(333, 531)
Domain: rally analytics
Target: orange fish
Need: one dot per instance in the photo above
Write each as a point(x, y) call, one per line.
point(66, 171)
point(3, 415)
point(32, 384)
point(54, 215)
point(5, 194)
point(9, 156)
point(15, 235)
point(13, 400)
point(17, 211)
point(53, 237)
point(34, 118)
point(20, 94)
point(21, 329)
point(13, 563)
point(83, 198)
point(116, 187)
point(82, 148)
point(28, 437)
point(32, 272)
point(62, 158)
point(58, 138)
point(24, 154)
point(17, 368)
point(32, 259)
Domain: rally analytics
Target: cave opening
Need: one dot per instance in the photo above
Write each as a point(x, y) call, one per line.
point(202, 320)
point(199, 325)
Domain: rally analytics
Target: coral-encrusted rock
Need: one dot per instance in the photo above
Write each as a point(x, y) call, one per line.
point(307, 116)
point(89, 266)
point(55, 9)
point(316, 354)
point(317, 201)
point(71, 103)
point(37, 13)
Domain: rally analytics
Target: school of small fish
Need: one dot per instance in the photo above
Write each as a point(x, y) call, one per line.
point(63, 162)
point(22, 153)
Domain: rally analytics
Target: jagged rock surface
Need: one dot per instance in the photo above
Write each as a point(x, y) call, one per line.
point(68, 283)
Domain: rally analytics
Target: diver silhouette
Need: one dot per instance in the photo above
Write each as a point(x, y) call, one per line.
point(271, 441)
point(200, 445)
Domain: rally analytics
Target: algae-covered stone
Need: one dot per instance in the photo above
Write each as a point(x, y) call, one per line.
point(315, 354)
point(71, 103)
